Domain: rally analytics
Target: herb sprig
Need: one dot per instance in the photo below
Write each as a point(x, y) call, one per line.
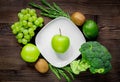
point(65, 72)
point(50, 10)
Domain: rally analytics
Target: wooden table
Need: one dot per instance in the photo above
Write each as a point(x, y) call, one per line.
point(105, 12)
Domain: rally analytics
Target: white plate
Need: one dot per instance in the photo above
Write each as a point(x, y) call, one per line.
point(43, 41)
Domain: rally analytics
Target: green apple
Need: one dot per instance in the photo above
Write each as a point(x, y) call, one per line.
point(60, 43)
point(30, 53)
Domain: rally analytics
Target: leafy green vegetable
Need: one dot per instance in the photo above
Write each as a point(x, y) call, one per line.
point(48, 10)
point(63, 72)
point(74, 66)
point(95, 57)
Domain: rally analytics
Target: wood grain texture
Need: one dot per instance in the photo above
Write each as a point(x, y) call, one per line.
point(105, 12)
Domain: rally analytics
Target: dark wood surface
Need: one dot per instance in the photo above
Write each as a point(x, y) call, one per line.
point(105, 12)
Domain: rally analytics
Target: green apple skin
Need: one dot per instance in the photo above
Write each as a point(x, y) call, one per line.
point(30, 53)
point(60, 43)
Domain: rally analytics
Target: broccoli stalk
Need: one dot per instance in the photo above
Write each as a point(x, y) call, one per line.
point(95, 57)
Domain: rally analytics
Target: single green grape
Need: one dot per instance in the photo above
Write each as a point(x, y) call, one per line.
point(25, 17)
point(20, 15)
point(40, 19)
point(30, 24)
point(22, 18)
point(19, 40)
point(28, 37)
point(24, 23)
point(37, 22)
point(21, 29)
point(32, 12)
point(28, 9)
point(41, 25)
point(17, 24)
point(25, 31)
point(34, 27)
point(14, 31)
point(30, 19)
point(13, 26)
point(24, 41)
point(32, 34)
point(20, 24)
point(19, 35)
point(30, 30)
point(17, 28)
point(34, 18)
point(28, 15)
point(23, 11)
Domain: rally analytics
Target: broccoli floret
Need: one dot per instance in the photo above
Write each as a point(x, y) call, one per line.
point(95, 57)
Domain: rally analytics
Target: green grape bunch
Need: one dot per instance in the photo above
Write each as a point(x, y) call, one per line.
point(24, 28)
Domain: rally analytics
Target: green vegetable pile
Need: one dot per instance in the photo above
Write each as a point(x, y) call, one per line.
point(95, 57)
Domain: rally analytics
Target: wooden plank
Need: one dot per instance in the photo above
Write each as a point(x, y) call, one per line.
point(108, 33)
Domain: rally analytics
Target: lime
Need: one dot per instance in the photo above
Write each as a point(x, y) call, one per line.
point(90, 29)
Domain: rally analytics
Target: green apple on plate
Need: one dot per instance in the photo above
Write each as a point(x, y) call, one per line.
point(59, 53)
point(60, 43)
point(30, 53)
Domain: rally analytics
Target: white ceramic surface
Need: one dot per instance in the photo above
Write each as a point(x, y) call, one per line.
point(68, 28)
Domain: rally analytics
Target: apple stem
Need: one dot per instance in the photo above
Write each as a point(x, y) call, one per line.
point(60, 31)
